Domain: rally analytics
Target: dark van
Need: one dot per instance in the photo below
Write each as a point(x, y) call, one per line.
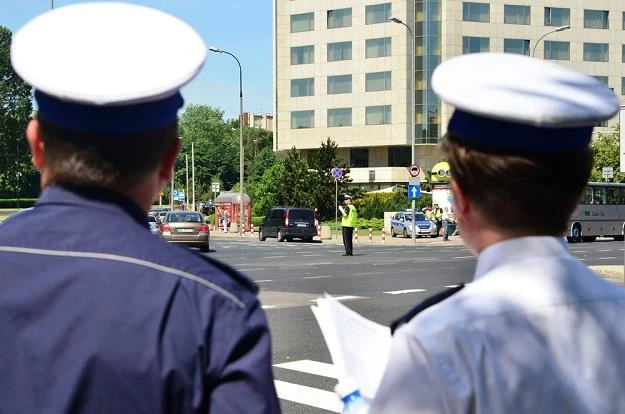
point(287, 223)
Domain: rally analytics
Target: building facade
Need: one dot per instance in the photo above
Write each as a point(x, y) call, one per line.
point(262, 121)
point(343, 70)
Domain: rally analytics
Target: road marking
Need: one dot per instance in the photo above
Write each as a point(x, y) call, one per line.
point(453, 286)
point(606, 258)
point(316, 277)
point(343, 298)
point(311, 255)
point(250, 269)
point(311, 367)
point(274, 257)
point(464, 257)
point(371, 273)
point(268, 306)
point(313, 397)
point(604, 250)
point(401, 292)
point(263, 280)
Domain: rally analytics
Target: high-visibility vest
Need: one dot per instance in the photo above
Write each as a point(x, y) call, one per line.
point(438, 214)
point(349, 219)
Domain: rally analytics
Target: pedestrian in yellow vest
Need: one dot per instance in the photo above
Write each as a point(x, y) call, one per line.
point(348, 222)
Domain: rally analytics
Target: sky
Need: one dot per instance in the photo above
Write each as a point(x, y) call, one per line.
point(242, 27)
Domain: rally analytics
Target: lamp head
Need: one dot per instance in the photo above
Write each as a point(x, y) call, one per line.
point(215, 49)
point(562, 28)
point(395, 20)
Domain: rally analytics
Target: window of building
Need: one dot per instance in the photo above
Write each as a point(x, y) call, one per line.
point(603, 80)
point(519, 46)
point(302, 87)
point(359, 157)
point(302, 54)
point(475, 12)
point(339, 84)
point(596, 52)
point(515, 14)
point(339, 117)
point(378, 47)
point(377, 81)
point(304, 22)
point(339, 18)
point(377, 13)
point(302, 119)
point(623, 20)
point(339, 51)
point(557, 16)
point(622, 86)
point(623, 53)
point(475, 44)
point(378, 115)
point(596, 19)
point(557, 50)
point(399, 156)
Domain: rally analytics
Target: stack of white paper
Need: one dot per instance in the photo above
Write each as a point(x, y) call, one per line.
point(359, 347)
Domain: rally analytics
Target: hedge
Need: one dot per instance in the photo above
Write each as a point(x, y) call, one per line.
point(14, 202)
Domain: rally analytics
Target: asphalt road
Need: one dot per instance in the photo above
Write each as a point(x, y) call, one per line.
point(381, 282)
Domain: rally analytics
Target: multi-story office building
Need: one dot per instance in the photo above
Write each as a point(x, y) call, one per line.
point(343, 70)
point(262, 121)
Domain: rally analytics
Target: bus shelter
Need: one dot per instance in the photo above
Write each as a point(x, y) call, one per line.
point(227, 207)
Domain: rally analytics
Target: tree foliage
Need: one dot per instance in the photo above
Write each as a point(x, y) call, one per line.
point(17, 175)
point(606, 153)
point(325, 187)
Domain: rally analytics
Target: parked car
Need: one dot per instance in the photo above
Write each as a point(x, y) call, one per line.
point(287, 223)
point(186, 227)
point(401, 223)
point(155, 225)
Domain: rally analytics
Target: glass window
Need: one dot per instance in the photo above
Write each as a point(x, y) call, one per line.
point(514, 14)
point(623, 20)
point(399, 156)
point(359, 157)
point(596, 52)
point(339, 18)
point(596, 19)
point(338, 117)
point(302, 119)
point(339, 84)
point(377, 81)
point(557, 16)
point(377, 13)
point(302, 54)
point(378, 47)
point(622, 86)
point(377, 115)
point(475, 12)
point(603, 80)
point(339, 51)
point(475, 44)
point(304, 22)
point(519, 46)
point(557, 50)
point(302, 87)
point(623, 53)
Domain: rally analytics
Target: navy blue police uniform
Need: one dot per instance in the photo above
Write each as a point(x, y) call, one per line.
point(134, 324)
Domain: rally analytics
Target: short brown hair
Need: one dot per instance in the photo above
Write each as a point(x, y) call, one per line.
point(531, 192)
point(109, 161)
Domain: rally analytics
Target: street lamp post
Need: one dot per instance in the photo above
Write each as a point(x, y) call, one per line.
point(241, 166)
point(557, 29)
point(412, 92)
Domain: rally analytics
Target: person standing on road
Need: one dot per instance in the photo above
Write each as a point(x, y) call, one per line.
point(348, 222)
point(536, 331)
point(96, 314)
point(437, 215)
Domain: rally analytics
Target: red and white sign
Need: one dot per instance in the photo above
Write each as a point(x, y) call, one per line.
point(414, 170)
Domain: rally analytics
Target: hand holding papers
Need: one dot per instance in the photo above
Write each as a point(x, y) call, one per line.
point(359, 347)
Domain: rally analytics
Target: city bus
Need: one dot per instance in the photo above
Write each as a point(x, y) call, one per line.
point(601, 213)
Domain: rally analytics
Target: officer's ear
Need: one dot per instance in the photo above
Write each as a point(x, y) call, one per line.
point(35, 142)
point(167, 164)
point(462, 205)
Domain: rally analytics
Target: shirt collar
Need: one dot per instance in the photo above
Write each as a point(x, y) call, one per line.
point(518, 249)
point(92, 197)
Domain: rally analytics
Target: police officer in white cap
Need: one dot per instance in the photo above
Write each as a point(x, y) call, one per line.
point(97, 315)
point(348, 222)
point(536, 331)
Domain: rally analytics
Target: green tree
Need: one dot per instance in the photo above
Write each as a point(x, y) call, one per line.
point(18, 178)
point(293, 189)
point(606, 153)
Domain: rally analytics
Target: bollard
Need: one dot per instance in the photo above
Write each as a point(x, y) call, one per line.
point(318, 231)
point(383, 236)
point(252, 231)
point(356, 236)
point(370, 235)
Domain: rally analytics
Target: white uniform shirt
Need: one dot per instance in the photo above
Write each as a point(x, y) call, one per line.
point(536, 332)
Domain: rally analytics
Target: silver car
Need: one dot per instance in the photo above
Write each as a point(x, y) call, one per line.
point(186, 227)
point(155, 225)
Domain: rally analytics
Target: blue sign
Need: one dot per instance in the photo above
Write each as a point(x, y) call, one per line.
point(337, 173)
point(414, 192)
point(176, 195)
point(182, 197)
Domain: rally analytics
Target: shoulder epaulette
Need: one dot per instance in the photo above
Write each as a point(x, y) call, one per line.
point(431, 301)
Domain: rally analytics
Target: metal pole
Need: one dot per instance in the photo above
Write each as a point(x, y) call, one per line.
point(52, 4)
point(193, 173)
point(171, 194)
point(336, 202)
point(186, 186)
point(559, 29)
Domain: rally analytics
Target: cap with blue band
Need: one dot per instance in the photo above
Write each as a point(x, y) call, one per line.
point(512, 102)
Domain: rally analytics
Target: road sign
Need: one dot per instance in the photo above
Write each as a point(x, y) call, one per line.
point(414, 170)
point(607, 172)
point(176, 195)
point(215, 187)
point(414, 192)
point(414, 181)
point(181, 196)
point(337, 173)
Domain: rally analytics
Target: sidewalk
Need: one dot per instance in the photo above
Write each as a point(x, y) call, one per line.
point(362, 241)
